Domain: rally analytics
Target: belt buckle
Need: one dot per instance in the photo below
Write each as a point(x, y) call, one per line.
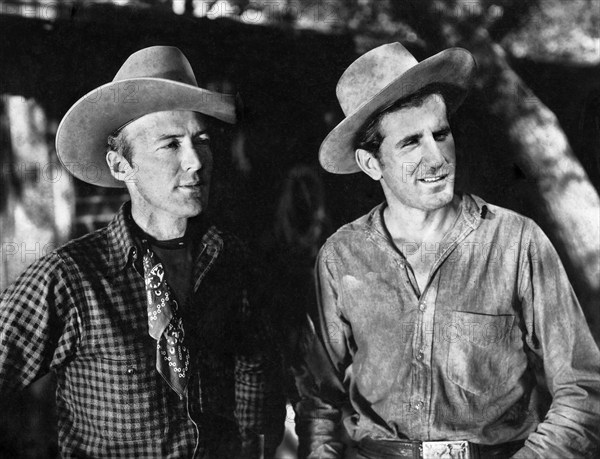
point(446, 450)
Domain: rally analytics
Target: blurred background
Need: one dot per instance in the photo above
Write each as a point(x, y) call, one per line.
point(528, 136)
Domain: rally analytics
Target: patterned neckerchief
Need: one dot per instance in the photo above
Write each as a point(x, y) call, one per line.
point(165, 325)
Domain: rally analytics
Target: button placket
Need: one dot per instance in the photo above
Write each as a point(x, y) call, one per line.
point(422, 356)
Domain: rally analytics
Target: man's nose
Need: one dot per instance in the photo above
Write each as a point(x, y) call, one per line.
point(432, 153)
point(190, 157)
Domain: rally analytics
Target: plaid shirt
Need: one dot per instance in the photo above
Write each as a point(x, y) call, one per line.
point(81, 312)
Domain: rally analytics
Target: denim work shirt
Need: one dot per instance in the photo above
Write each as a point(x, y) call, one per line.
point(81, 312)
point(494, 349)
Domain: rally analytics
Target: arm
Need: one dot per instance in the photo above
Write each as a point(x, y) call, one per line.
point(326, 358)
point(558, 335)
point(38, 329)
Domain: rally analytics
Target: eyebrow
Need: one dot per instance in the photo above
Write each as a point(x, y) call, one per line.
point(176, 136)
point(414, 137)
point(408, 138)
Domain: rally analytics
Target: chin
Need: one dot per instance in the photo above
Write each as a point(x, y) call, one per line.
point(197, 211)
point(440, 201)
point(191, 210)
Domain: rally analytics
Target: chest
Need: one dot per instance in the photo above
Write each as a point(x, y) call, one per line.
point(421, 259)
point(114, 313)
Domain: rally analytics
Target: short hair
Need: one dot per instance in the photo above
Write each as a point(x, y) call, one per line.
point(117, 141)
point(369, 137)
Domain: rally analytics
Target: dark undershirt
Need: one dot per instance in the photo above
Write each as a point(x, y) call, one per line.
point(177, 257)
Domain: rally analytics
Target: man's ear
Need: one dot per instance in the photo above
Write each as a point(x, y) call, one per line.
point(119, 166)
point(368, 164)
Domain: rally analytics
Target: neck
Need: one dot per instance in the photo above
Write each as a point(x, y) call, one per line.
point(160, 227)
point(408, 224)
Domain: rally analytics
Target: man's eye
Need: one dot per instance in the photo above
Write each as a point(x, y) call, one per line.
point(202, 141)
point(442, 135)
point(172, 145)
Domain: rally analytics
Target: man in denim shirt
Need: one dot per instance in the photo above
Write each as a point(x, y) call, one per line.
point(447, 326)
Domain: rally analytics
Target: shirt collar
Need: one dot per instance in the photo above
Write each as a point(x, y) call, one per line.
point(472, 210)
point(123, 245)
point(121, 242)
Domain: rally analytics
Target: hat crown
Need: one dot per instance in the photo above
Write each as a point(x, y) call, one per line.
point(370, 73)
point(165, 62)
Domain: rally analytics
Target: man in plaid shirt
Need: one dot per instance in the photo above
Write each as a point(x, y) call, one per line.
point(149, 323)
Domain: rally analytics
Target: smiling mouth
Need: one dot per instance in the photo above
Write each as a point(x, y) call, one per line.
point(439, 178)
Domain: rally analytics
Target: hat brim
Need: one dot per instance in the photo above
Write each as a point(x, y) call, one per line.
point(83, 132)
point(454, 67)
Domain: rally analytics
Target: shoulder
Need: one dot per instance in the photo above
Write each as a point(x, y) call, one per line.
point(56, 263)
point(230, 246)
point(354, 231)
point(508, 221)
point(90, 245)
point(231, 254)
point(351, 242)
point(37, 278)
point(52, 274)
point(510, 228)
point(88, 252)
point(232, 243)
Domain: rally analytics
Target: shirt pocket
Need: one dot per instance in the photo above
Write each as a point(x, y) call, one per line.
point(130, 407)
point(484, 353)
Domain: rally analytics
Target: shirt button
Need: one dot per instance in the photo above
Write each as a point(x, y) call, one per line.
point(422, 306)
point(418, 406)
point(130, 371)
point(420, 355)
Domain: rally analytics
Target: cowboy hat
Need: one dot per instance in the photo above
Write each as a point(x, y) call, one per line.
point(381, 77)
point(154, 79)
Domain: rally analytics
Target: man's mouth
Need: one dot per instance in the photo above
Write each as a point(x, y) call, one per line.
point(435, 179)
point(191, 186)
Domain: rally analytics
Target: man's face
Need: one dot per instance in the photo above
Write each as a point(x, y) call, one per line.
point(417, 156)
point(172, 164)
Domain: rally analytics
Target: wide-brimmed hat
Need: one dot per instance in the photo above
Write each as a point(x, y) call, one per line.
point(155, 79)
point(381, 77)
